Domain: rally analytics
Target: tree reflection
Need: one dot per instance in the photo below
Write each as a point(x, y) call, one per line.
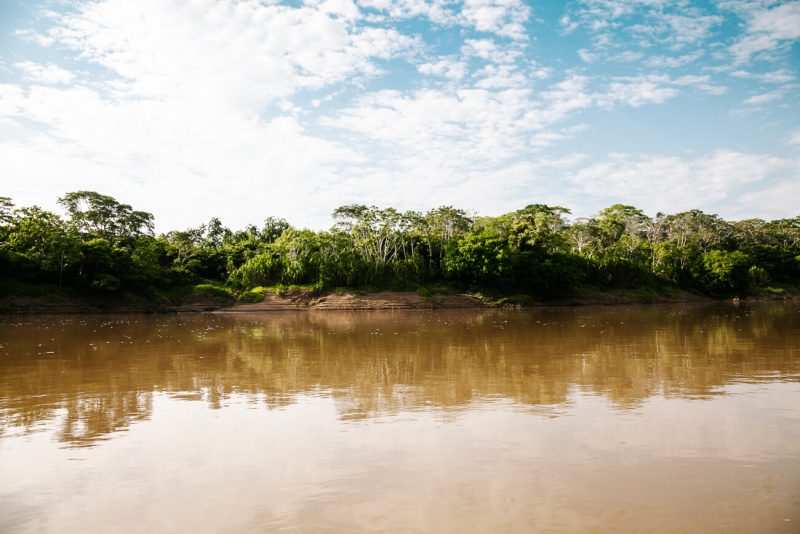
point(94, 376)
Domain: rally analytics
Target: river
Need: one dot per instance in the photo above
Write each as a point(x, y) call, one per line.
point(663, 418)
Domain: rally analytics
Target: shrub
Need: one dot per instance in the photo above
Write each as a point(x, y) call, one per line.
point(758, 276)
point(254, 295)
point(105, 282)
point(211, 291)
point(720, 271)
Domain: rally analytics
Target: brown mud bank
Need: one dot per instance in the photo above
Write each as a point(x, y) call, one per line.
point(382, 300)
point(407, 300)
point(63, 304)
point(300, 300)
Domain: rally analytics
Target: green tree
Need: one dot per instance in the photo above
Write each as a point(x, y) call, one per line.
point(721, 272)
point(43, 238)
point(103, 216)
point(538, 227)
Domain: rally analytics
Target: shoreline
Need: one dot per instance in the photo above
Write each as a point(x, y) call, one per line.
point(300, 300)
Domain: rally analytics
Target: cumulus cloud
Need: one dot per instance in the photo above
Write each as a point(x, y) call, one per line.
point(771, 77)
point(199, 99)
point(165, 158)
point(767, 29)
point(672, 62)
point(446, 67)
point(587, 56)
point(637, 91)
point(675, 24)
point(671, 183)
point(702, 83)
point(461, 126)
point(764, 98)
point(243, 107)
point(47, 74)
point(504, 17)
point(490, 50)
point(780, 198)
point(243, 51)
point(692, 28)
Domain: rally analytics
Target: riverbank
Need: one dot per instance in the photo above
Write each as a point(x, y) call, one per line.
point(299, 299)
point(409, 300)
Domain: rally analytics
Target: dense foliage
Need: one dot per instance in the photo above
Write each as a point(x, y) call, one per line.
point(107, 247)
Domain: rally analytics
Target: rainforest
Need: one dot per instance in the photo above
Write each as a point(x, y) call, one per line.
point(103, 247)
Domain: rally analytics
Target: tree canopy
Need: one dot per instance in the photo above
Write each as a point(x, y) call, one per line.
point(106, 246)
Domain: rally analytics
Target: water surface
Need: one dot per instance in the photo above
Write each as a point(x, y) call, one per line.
point(659, 418)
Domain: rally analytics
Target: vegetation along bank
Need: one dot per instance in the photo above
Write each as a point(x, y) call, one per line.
point(104, 256)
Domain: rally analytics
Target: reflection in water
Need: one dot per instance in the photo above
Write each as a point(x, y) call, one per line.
point(662, 418)
point(98, 375)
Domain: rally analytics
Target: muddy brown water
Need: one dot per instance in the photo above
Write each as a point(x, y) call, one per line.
point(673, 418)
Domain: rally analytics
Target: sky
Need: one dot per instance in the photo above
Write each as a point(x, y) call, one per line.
point(245, 109)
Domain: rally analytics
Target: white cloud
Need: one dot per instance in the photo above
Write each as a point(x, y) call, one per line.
point(547, 138)
point(437, 11)
point(340, 8)
point(567, 96)
point(628, 56)
point(673, 62)
point(462, 126)
point(670, 183)
point(637, 91)
point(171, 159)
point(778, 200)
point(448, 135)
point(193, 109)
point(765, 98)
point(244, 51)
point(767, 30)
point(701, 82)
point(500, 77)
point(691, 28)
point(568, 25)
point(504, 17)
point(445, 67)
point(675, 24)
point(195, 106)
point(775, 76)
point(794, 138)
point(586, 55)
point(489, 50)
point(48, 74)
point(35, 37)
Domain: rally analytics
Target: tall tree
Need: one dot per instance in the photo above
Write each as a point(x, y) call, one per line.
point(103, 216)
point(43, 238)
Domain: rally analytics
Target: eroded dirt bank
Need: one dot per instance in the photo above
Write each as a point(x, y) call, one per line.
point(383, 300)
point(299, 300)
point(407, 300)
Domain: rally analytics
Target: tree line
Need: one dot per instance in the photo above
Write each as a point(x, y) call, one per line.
point(102, 245)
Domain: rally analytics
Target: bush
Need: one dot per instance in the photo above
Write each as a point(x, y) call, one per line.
point(254, 295)
point(105, 282)
point(722, 272)
point(758, 276)
point(211, 291)
point(516, 300)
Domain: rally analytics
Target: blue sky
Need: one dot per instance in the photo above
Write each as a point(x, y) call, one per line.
point(246, 109)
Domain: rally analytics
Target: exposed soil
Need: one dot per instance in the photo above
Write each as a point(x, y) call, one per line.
point(64, 304)
point(407, 300)
point(383, 300)
point(299, 300)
